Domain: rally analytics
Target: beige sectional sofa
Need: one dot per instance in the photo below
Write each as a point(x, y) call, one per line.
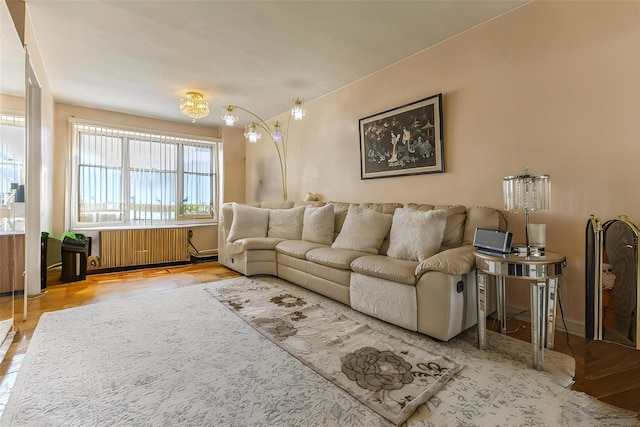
point(410, 265)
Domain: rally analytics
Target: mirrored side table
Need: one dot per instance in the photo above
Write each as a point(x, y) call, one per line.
point(543, 271)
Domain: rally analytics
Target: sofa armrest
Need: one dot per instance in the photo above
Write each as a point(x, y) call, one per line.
point(459, 260)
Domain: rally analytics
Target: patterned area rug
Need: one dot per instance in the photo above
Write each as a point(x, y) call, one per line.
point(181, 358)
point(387, 374)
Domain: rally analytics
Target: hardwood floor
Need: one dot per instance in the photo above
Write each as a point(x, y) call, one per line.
point(105, 286)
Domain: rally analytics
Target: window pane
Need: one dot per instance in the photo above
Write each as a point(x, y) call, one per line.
point(12, 143)
point(152, 155)
point(100, 194)
point(153, 196)
point(100, 178)
point(197, 159)
point(100, 150)
point(152, 181)
point(197, 194)
point(197, 180)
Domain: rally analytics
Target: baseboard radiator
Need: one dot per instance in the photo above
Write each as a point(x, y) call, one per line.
point(126, 248)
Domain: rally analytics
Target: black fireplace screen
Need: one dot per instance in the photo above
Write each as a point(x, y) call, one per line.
point(612, 281)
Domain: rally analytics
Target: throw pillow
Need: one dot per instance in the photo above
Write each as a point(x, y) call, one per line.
point(248, 222)
point(286, 223)
point(363, 230)
point(416, 235)
point(318, 225)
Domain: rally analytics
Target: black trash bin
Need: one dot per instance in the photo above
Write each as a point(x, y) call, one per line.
point(44, 238)
point(74, 259)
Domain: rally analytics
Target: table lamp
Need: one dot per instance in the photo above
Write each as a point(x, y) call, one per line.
point(528, 193)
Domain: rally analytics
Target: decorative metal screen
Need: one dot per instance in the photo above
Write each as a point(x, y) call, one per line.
point(613, 281)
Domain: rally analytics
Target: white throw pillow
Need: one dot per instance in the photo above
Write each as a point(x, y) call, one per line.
point(318, 225)
point(416, 235)
point(286, 223)
point(248, 222)
point(363, 230)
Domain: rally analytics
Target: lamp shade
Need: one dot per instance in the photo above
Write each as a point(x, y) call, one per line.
point(528, 193)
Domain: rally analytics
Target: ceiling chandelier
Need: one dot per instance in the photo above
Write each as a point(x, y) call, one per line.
point(275, 132)
point(194, 106)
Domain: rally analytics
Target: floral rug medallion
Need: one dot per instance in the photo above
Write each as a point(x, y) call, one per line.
point(387, 374)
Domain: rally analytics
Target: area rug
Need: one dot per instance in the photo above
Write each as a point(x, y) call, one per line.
point(389, 375)
point(181, 358)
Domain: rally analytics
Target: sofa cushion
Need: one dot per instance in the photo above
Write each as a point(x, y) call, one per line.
point(340, 210)
point(286, 223)
point(387, 208)
point(248, 222)
point(336, 258)
point(454, 230)
point(481, 217)
point(318, 224)
point(416, 235)
point(252, 244)
point(383, 267)
point(277, 204)
point(297, 248)
point(309, 203)
point(363, 230)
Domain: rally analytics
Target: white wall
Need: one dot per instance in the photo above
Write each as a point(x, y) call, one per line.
point(552, 86)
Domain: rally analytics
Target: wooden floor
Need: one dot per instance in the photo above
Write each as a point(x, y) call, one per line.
point(105, 286)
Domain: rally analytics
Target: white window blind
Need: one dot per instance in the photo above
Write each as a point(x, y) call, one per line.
point(132, 178)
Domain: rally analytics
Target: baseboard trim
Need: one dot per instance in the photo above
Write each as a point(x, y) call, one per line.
point(573, 327)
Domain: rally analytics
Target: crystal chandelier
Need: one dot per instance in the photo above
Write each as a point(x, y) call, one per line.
point(194, 106)
point(275, 132)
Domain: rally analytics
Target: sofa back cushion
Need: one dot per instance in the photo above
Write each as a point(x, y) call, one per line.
point(309, 203)
point(318, 224)
point(387, 208)
point(416, 235)
point(454, 229)
point(363, 230)
point(340, 210)
point(248, 221)
point(276, 204)
point(482, 217)
point(286, 223)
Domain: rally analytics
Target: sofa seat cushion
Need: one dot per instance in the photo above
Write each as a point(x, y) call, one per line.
point(383, 267)
point(297, 248)
point(336, 258)
point(253, 243)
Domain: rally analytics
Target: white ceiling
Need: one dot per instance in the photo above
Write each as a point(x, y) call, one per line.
point(141, 57)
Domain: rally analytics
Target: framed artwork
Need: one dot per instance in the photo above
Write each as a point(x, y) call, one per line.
point(403, 141)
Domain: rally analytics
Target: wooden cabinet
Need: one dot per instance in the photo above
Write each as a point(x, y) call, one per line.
point(11, 262)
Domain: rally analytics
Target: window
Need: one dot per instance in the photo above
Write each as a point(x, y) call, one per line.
point(12, 143)
point(129, 178)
